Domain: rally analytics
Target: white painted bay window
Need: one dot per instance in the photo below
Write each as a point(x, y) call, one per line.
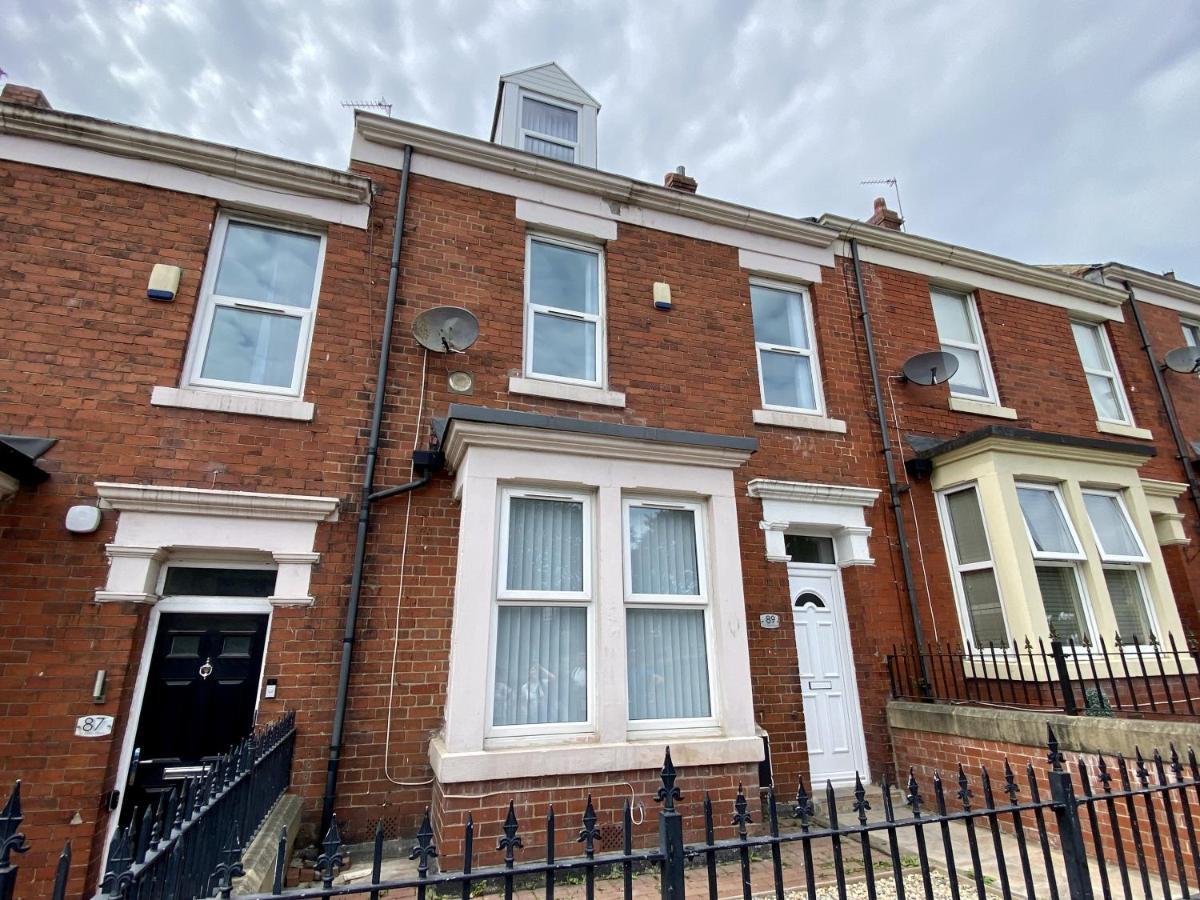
point(1123, 558)
point(961, 335)
point(564, 314)
point(788, 374)
point(973, 567)
point(254, 322)
point(665, 614)
point(1095, 352)
point(1057, 554)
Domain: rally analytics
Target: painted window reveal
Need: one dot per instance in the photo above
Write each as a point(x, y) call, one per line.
point(549, 129)
point(1057, 553)
point(1095, 352)
point(783, 338)
point(666, 612)
point(1123, 559)
point(974, 569)
point(564, 316)
point(961, 335)
point(541, 672)
point(254, 325)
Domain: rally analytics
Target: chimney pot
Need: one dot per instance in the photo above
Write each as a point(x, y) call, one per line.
point(1170, 275)
point(24, 96)
point(679, 180)
point(884, 217)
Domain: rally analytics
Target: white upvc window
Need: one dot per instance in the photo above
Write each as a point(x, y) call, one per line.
point(253, 326)
point(549, 128)
point(1104, 381)
point(1123, 558)
point(542, 659)
point(1057, 554)
point(667, 622)
point(980, 608)
point(564, 311)
point(961, 335)
point(1191, 333)
point(788, 372)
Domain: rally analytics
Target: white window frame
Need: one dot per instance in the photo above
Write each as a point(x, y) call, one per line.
point(209, 302)
point(1137, 564)
point(810, 353)
point(958, 568)
point(979, 346)
point(549, 139)
point(599, 318)
point(1191, 332)
point(1112, 373)
point(572, 599)
point(672, 602)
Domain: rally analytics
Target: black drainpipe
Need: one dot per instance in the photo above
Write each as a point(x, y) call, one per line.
point(1181, 447)
point(894, 491)
point(425, 463)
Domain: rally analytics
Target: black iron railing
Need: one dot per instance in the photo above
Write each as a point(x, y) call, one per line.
point(1132, 678)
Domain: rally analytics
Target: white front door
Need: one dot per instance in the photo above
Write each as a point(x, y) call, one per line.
point(832, 720)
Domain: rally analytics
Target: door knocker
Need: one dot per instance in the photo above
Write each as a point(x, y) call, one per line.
point(206, 669)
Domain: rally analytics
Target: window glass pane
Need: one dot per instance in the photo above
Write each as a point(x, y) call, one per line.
point(969, 378)
point(1091, 349)
point(778, 317)
point(983, 608)
point(1191, 334)
point(966, 522)
point(1104, 395)
point(550, 120)
point(267, 264)
point(541, 665)
point(1112, 527)
point(804, 548)
point(787, 380)
point(668, 664)
point(564, 277)
point(564, 347)
point(545, 545)
point(251, 347)
point(953, 320)
point(1129, 605)
point(662, 551)
point(206, 582)
point(549, 149)
point(1047, 523)
point(1060, 598)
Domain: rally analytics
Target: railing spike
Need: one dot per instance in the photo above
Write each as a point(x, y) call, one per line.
point(964, 789)
point(912, 799)
point(590, 832)
point(861, 803)
point(510, 840)
point(424, 847)
point(11, 838)
point(803, 808)
point(668, 793)
point(741, 812)
point(1053, 756)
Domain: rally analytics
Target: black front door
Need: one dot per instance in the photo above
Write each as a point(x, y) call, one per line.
point(199, 700)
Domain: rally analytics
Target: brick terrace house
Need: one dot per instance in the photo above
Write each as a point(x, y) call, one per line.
point(686, 496)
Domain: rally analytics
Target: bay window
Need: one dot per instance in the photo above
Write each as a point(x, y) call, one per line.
point(1057, 554)
point(564, 311)
point(1123, 558)
point(974, 570)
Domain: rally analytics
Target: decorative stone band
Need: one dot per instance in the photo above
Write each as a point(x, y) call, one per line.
point(158, 522)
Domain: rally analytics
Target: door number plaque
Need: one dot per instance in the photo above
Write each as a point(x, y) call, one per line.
point(768, 620)
point(93, 726)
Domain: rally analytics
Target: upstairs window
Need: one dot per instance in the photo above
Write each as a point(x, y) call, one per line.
point(1191, 334)
point(961, 335)
point(1095, 353)
point(564, 316)
point(974, 570)
point(549, 129)
point(1056, 554)
point(783, 337)
point(1123, 559)
point(254, 322)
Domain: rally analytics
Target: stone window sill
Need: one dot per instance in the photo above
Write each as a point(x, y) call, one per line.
point(229, 402)
point(576, 393)
point(1131, 431)
point(980, 408)
point(798, 420)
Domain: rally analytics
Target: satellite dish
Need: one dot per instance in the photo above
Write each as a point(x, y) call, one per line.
point(935, 367)
point(446, 329)
point(1185, 360)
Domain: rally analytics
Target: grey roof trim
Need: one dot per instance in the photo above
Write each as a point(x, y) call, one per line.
point(925, 450)
point(466, 413)
point(19, 455)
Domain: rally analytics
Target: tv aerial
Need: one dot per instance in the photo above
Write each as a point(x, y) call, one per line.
point(446, 329)
point(1184, 360)
point(935, 367)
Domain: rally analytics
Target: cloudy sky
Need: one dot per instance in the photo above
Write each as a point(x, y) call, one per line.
point(1049, 132)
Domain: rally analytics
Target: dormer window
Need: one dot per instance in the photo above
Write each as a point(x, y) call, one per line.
point(549, 129)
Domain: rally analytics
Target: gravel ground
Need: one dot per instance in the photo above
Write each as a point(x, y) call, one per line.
point(885, 888)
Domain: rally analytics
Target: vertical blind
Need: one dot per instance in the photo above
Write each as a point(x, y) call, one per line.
point(668, 664)
point(1060, 597)
point(545, 545)
point(541, 665)
point(550, 120)
point(662, 551)
point(1129, 605)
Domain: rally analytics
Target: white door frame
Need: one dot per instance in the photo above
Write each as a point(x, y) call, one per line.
point(231, 605)
point(837, 603)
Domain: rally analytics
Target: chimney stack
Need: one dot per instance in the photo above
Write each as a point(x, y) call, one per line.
point(884, 217)
point(1169, 275)
point(679, 180)
point(24, 96)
